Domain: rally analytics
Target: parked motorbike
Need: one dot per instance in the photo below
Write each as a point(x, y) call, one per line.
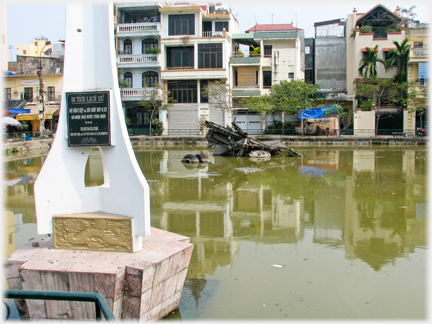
point(420, 131)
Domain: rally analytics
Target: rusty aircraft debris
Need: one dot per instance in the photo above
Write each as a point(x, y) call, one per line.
point(236, 142)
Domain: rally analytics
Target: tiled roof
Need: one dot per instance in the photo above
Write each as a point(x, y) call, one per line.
point(272, 27)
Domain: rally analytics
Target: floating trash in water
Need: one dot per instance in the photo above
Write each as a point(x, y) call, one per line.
point(277, 265)
point(402, 207)
point(248, 170)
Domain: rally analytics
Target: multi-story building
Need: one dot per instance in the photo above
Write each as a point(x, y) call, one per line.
point(32, 73)
point(196, 44)
point(385, 27)
point(330, 66)
point(418, 67)
point(310, 60)
point(40, 46)
point(138, 57)
point(276, 53)
point(181, 46)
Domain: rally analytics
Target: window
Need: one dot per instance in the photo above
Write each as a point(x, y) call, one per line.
point(180, 57)
point(291, 75)
point(7, 94)
point(127, 46)
point(387, 56)
point(267, 50)
point(24, 52)
point(149, 79)
point(183, 91)
point(210, 56)
point(181, 25)
point(220, 25)
point(307, 49)
point(418, 44)
point(35, 44)
point(267, 80)
point(149, 43)
point(207, 26)
point(128, 78)
point(51, 93)
point(309, 76)
point(203, 83)
point(28, 94)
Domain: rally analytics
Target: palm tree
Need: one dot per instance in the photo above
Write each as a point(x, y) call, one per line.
point(400, 56)
point(368, 63)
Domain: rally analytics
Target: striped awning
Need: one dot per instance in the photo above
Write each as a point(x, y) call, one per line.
point(34, 114)
point(423, 70)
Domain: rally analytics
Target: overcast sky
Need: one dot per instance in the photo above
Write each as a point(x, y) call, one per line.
point(28, 20)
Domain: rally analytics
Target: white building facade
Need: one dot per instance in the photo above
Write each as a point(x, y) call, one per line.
point(276, 53)
point(180, 46)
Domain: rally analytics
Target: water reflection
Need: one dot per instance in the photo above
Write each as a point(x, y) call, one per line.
point(369, 204)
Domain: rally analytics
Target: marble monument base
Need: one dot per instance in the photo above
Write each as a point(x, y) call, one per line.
point(143, 286)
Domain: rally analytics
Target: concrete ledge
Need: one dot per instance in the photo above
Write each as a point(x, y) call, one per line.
point(200, 141)
point(144, 285)
point(22, 146)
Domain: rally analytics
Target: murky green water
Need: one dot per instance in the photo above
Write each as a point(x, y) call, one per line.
point(338, 234)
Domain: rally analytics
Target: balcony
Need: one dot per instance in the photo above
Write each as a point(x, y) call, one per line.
point(137, 60)
point(132, 94)
point(236, 59)
point(210, 34)
point(419, 52)
point(174, 73)
point(138, 29)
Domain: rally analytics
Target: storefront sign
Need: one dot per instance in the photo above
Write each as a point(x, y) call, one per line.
point(88, 117)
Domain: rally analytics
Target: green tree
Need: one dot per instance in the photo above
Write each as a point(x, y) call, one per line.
point(289, 97)
point(380, 92)
point(417, 99)
point(219, 95)
point(158, 99)
point(335, 110)
point(262, 104)
point(368, 63)
point(399, 56)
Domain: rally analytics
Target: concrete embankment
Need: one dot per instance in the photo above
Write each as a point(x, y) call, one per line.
point(200, 141)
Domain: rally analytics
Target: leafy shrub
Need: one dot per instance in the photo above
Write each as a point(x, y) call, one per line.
point(366, 29)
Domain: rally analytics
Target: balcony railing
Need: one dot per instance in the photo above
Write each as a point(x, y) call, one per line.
point(138, 27)
point(213, 34)
point(136, 92)
point(419, 52)
point(138, 58)
point(180, 68)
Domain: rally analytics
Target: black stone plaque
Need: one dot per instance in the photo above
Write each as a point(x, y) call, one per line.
point(88, 117)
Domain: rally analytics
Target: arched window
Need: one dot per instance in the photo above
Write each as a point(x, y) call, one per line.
point(128, 78)
point(149, 79)
point(127, 46)
point(149, 43)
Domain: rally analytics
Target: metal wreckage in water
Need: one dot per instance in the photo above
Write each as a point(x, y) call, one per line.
point(236, 142)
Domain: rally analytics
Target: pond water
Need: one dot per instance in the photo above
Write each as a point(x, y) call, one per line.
point(338, 234)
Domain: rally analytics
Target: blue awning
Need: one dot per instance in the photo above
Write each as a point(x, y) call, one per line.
point(18, 111)
point(313, 112)
point(423, 70)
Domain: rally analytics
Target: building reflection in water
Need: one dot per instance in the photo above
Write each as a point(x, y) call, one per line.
point(369, 202)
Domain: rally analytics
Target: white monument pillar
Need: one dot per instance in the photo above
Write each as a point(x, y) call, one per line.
point(91, 116)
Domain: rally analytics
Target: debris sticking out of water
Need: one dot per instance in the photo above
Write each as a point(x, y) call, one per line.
point(248, 170)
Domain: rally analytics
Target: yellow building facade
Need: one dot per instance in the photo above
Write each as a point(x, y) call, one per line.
point(418, 67)
point(37, 47)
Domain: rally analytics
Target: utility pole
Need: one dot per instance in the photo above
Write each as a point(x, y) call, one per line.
point(41, 92)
